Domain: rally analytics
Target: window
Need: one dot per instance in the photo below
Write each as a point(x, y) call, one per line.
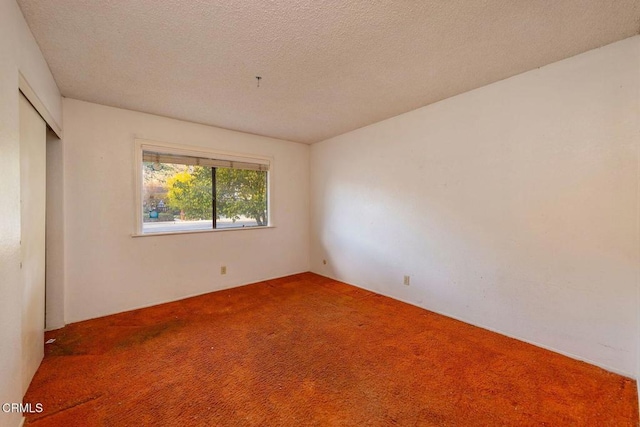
point(184, 190)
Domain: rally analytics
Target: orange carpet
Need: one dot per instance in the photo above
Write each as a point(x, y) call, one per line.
point(305, 350)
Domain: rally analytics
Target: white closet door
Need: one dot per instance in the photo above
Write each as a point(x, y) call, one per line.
point(33, 138)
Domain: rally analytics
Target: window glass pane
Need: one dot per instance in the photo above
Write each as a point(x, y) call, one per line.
point(177, 193)
point(176, 197)
point(241, 198)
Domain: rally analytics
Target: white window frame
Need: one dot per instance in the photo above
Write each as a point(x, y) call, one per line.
point(141, 145)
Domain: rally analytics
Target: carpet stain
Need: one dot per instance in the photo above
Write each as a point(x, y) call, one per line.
point(308, 350)
point(142, 334)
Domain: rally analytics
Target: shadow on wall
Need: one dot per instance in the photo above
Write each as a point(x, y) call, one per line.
point(502, 243)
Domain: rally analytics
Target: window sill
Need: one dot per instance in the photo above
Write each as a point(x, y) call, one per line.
point(218, 230)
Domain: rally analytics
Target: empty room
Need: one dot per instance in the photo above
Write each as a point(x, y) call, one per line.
point(292, 213)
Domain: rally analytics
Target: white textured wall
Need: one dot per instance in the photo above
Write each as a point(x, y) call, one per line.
point(513, 207)
point(18, 53)
point(55, 267)
point(109, 271)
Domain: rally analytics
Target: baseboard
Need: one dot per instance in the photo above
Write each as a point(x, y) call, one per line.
point(152, 304)
point(546, 347)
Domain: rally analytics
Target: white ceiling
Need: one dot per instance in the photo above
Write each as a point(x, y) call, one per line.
point(327, 66)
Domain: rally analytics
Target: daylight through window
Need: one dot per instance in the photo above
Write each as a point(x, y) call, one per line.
point(189, 193)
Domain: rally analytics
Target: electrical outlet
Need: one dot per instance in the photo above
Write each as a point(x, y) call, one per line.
point(407, 280)
point(223, 269)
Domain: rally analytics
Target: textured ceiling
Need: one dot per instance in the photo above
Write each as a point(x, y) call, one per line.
point(327, 67)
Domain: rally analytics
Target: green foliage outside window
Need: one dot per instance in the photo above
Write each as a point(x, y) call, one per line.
point(242, 193)
point(238, 193)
